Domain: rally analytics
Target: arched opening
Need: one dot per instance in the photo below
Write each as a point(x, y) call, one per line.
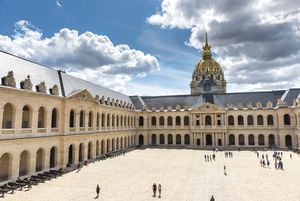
point(24, 163)
point(117, 144)
point(41, 118)
point(90, 122)
point(178, 139)
point(170, 121)
point(26, 117)
point(54, 118)
point(153, 139)
point(250, 121)
point(240, 120)
point(288, 141)
point(52, 157)
point(271, 140)
point(161, 121)
point(98, 120)
point(102, 120)
point(71, 155)
point(8, 116)
point(97, 148)
point(107, 146)
point(241, 140)
point(260, 120)
point(287, 119)
point(230, 120)
point(161, 139)
point(270, 120)
point(251, 139)
point(231, 139)
point(208, 120)
point(141, 140)
point(81, 152)
point(186, 120)
point(153, 121)
point(102, 146)
point(208, 139)
point(186, 139)
point(81, 119)
point(72, 119)
point(141, 121)
point(121, 143)
point(5, 167)
point(178, 121)
point(108, 120)
point(113, 148)
point(40, 157)
point(90, 150)
point(170, 139)
point(261, 139)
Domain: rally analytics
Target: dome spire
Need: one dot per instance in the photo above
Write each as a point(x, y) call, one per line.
point(206, 49)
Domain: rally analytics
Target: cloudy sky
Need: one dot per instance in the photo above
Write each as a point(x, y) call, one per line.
point(150, 47)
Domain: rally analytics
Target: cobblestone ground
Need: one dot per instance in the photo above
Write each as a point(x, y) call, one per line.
point(183, 174)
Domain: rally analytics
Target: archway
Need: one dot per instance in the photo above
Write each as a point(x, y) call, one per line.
point(261, 139)
point(54, 118)
point(113, 145)
point(53, 157)
point(40, 157)
point(8, 116)
point(102, 146)
point(251, 139)
point(208, 139)
point(241, 140)
point(26, 117)
point(186, 139)
point(81, 152)
point(271, 140)
point(153, 139)
point(41, 118)
point(178, 139)
point(71, 155)
point(231, 139)
point(170, 139)
point(90, 150)
point(24, 163)
point(141, 140)
point(5, 167)
point(288, 141)
point(161, 139)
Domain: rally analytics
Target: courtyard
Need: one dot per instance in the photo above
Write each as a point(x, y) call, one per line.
point(183, 174)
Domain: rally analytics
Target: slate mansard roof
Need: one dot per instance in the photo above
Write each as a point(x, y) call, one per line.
point(68, 85)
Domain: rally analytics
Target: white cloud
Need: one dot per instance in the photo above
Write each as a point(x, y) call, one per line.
point(87, 55)
point(250, 38)
point(58, 4)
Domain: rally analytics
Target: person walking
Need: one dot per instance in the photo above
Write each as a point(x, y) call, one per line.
point(225, 170)
point(212, 198)
point(97, 191)
point(159, 190)
point(154, 189)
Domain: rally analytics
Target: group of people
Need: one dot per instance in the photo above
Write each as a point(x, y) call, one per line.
point(278, 160)
point(155, 188)
point(209, 158)
point(228, 154)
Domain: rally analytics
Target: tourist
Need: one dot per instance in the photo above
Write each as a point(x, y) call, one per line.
point(214, 156)
point(97, 191)
point(205, 157)
point(159, 190)
point(257, 154)
point(290, 156)
point(225, 170)
point(154, 189)
point(268, 163)
point(212, 198)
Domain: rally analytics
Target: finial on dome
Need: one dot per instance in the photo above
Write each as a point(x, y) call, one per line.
point(206, 49)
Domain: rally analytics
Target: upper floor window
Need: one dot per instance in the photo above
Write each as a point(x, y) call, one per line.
point(161, 121)
point(178, 120)
point(250, 120)
point(153, 121)
point(141, 121)
point(270, 120)
point(240, 120)
point(170, 121)
point(186, 120)
point(230, 120)
point(260, 120)
point(287, 119)
point(208, 120)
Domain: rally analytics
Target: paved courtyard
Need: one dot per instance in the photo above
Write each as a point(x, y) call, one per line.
point(183, 174)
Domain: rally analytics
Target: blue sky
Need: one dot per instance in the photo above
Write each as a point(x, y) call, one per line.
point(163, 36)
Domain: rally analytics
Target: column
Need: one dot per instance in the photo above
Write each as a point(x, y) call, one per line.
point(1, 119)
point(48, 120)
point(34, 120)
point(46, 161)
point(77, 120)
point(32, 162)
point(86, 120)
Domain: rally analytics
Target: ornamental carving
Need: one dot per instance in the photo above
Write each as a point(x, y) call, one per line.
point(102, 101)
point(9, 80)
point(249, 106)
point(240, 106)
point(41, 87)
point(161, 108)
point(169, 108)
point(153, 109)
point(259, 105)
point(97, 99)
point(281, 103)
point(269, 104)
point(177, 107)
point(54, 90)
point(26, 84)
